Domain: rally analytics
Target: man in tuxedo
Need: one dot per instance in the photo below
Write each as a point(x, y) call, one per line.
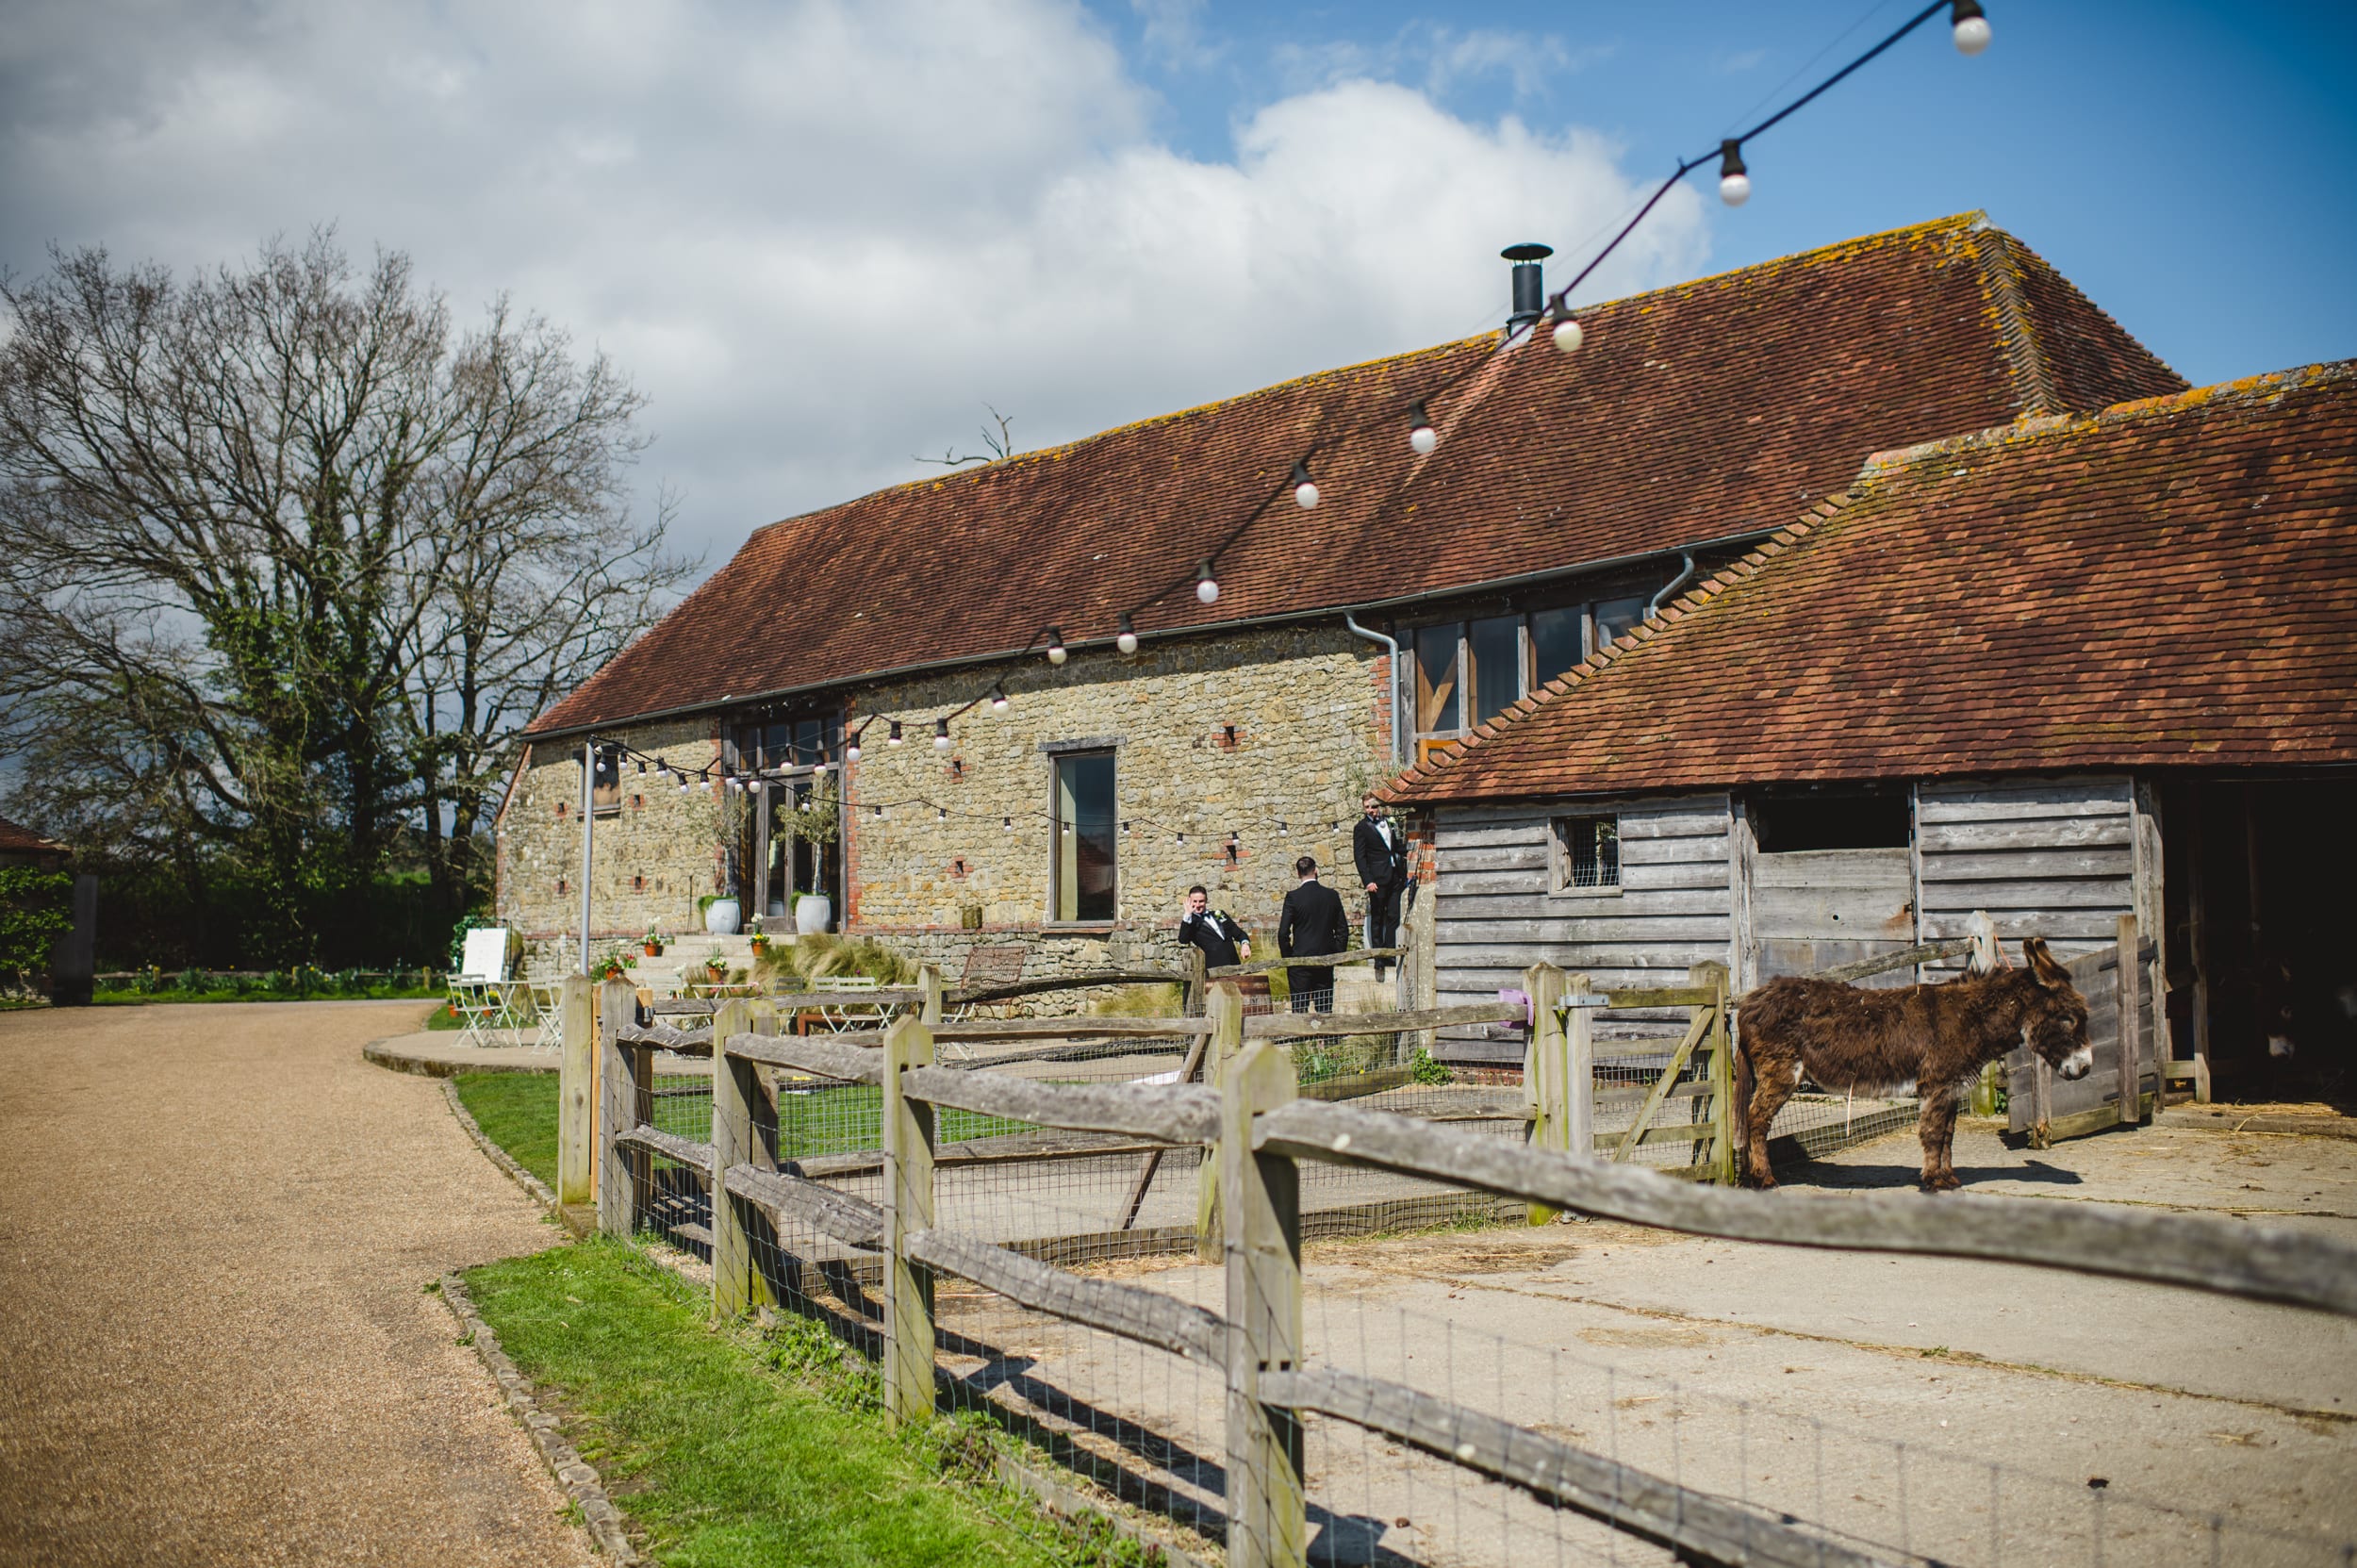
point(1312, 925)
point(1221, 939)
point(1382, 856)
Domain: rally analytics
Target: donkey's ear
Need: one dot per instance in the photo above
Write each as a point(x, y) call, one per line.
point(2049, 973)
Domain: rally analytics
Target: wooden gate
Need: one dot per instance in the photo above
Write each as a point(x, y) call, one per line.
point(2128, 1041)
point(1698, 1077)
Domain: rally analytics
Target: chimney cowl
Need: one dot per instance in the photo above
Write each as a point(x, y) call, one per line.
point(1531, 285)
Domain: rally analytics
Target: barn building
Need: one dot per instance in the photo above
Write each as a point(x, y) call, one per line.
point(1426, 593)
point(2063, 669)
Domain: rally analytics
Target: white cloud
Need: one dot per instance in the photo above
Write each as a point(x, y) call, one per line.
point(821, 235)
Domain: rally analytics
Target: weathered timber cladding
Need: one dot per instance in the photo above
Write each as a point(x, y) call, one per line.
point(2054, 858)
point(1496, 915)
point(1814, 909)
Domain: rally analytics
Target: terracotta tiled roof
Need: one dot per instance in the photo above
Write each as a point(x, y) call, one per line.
point(2170, 581)
point(1693, 413)
point(25, 841)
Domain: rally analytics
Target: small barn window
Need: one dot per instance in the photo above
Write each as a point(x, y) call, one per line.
point(1587, 854)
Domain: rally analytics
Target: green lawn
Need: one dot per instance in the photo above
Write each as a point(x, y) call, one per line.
point(518, 1112)
point(726, 1448)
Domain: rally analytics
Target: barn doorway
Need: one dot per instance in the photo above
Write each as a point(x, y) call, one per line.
point(2262, 936)
point(1832, 879)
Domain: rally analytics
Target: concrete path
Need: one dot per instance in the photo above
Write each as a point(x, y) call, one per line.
point(216, 1223)
point(1984, 1413)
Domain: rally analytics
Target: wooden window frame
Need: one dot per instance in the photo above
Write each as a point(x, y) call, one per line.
point(1559, 882)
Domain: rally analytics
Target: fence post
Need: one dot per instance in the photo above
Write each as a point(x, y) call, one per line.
point(929, 996)
point(908, 1287)
point(744, 1132)
point(1546, 1069)
point(2131, 1028)
point(623, 1103)
point(1193, 994)
point(576, 1107)
point(1713, 974)
point(1261, 1197)
point(1224, 1003)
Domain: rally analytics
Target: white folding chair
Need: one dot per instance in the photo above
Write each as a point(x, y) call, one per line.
point(479, 989)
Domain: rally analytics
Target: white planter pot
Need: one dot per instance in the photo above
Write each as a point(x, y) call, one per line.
point(721, 916)
point(813, 912)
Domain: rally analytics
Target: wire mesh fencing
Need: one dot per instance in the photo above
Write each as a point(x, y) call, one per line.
point(1071, 1249)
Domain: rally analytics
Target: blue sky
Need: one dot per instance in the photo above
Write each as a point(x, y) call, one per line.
point(822, 236)
point(2180, 163)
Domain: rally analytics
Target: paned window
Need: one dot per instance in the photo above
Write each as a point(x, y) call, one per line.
point(1436, 679)
point(1496, 647)
point(1587, 854)
point(1556, 642)
point(1086, 870)
point(1470, 671)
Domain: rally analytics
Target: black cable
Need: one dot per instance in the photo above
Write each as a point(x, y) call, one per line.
point(1558, 310)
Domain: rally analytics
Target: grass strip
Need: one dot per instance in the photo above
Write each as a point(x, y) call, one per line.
point(731, 1448)
point(518, 1112)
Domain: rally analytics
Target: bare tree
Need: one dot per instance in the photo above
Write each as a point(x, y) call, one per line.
point(285, 560)
point(1001, 445)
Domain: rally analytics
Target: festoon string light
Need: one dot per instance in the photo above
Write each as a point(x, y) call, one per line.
point(1969, 29)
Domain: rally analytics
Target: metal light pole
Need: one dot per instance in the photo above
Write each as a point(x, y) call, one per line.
point(588, 786)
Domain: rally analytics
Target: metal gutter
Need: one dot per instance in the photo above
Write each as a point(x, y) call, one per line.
point(1399, 738)
point(1400, 601)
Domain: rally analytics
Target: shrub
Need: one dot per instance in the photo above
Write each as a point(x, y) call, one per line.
point(34, 910)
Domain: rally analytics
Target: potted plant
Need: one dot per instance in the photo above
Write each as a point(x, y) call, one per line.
point(614, 965)
point(717, 968)
point(759, 940)
point(813, 913)
point(721, 914)
point(653, 942)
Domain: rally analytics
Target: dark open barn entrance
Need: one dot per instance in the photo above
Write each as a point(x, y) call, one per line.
point(2259, 876)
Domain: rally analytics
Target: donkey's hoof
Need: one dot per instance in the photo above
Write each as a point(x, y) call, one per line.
point(1946, 1182)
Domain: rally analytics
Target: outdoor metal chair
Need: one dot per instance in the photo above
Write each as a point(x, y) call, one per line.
point(547, 1009)
point(479, 988)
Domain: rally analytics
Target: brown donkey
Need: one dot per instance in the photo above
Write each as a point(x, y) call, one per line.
point(1933, 1036)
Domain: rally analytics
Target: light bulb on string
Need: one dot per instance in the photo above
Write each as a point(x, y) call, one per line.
point(1735, 184)
point(642, 767)
point(850, 749)
point(1206, 586)
point(1569, 334)
point(1305, 488)
point(1007, 822)
point(941, 814)
point(892, 734)
point(1421, 438)
point(1055, 653)
point(941, 734)
point(1970, 24)
point(998, 698)
point(1128, 640)
point(1124, 827)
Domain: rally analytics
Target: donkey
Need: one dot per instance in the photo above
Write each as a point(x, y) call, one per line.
point(1934, 1036)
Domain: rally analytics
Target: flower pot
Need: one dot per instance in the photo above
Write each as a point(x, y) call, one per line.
point(813, 912)
point(654, 949)
point(721, 916)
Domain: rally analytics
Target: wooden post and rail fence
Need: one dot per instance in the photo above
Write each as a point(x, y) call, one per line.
point(1255, 1130)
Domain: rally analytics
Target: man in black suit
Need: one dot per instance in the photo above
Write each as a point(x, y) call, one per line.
point(1314, 925)
point(1382, 856)
point(1222, 940)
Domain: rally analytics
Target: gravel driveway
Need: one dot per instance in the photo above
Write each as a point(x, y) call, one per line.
point(216, 1223)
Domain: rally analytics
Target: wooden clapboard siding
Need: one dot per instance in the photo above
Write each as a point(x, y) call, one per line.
point(1495, 915)
point(2055, 858)
point(1813, 909)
